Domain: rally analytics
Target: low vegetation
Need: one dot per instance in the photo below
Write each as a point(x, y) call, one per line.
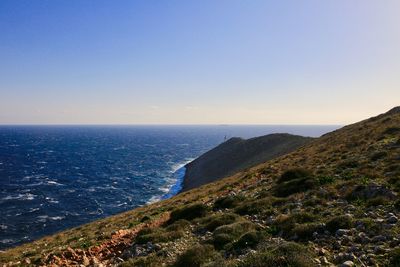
point(226, 234)
point(189, 212)
point(284, 255)
point(199, 255)
point(294, 181)
point(339, 222)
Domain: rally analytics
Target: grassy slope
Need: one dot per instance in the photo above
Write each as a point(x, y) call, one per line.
point(265, 219)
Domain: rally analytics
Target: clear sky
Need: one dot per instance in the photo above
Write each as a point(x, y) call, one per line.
point(208, 61)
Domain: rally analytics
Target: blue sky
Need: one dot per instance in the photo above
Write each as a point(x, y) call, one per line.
point(206, 62)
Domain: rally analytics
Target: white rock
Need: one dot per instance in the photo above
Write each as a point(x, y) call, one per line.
point(347, 264)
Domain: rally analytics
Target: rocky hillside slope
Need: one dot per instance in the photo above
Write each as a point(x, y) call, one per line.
point(237, 154)
point(334, 201)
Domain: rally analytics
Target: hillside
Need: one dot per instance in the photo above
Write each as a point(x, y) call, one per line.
point(331, 202)
point(237, 154)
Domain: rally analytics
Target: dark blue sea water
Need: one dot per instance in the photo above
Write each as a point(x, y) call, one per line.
point(56, 177)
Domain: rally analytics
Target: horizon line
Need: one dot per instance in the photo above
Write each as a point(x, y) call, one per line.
point(168, 124)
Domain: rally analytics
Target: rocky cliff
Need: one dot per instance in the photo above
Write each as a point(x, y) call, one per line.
point(237, 154)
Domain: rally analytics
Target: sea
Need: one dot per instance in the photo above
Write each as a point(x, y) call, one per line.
point(57, 177)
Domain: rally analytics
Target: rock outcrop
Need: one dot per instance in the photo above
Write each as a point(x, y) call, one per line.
point(237, 154)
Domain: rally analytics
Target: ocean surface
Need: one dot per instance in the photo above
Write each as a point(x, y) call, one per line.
point(57, 177)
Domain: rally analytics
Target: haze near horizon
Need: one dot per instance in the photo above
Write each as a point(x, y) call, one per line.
point(203, 62)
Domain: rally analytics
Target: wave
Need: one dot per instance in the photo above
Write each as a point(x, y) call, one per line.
point(7, 241)
point(174, 183)
point(44, 218)
point(177, 186)
point(27, 196)
point(53, 183)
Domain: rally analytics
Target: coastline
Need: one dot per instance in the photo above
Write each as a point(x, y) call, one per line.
point(177, 187)
point(179, 174)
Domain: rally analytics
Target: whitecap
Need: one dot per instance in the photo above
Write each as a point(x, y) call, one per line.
point(7, 241)
point(33, 210)
point(52, 200)
point(97, 212)
point(153, 199)
point(42, 218)
point(34, 184)
point(165, 189)
point(69, 213)
point(3, 227)
point(179, 165)
point(27, 196)
point(53, 183)
point(57, 218)
point(27, 178)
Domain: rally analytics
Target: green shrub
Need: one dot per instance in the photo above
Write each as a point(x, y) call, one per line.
point(305, 231)
point(294, 186)
point(259, 206)
point(397, 205)
point(349, 164)
point(228, 233)
point(391, 130)
point(285, 223)
point(189, 212)
point(294, 181)
point(178, 225)
point(198, 255)
point(285, 255)
point(326, 180)
point(250, 239)
point(149, 261)
point(145, 218)
point(378, 155)
point(394, 258)
point(160, 235)
point(339, 222)
point(371, 227)
point(228, 202)
point(300, 224)
point(272, 230)
point(368, 191)
point(376, 201)
point(313, 202)
point(395, 182)
point(132, 224)
point(212, 222)
point(294, 174)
